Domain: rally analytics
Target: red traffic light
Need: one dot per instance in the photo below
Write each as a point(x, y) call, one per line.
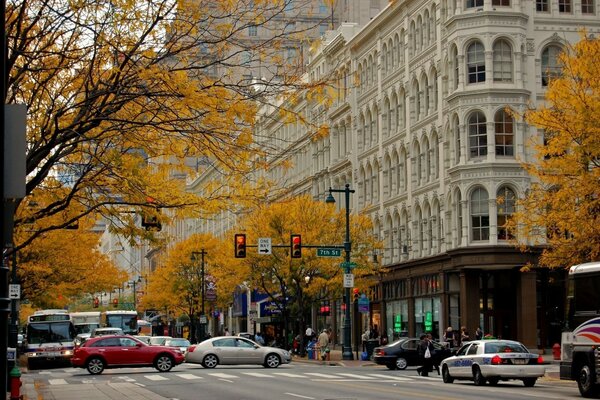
point(296, 246)
point(115, 303)
point(96, 302)
point(240, 245)
point(356, 294)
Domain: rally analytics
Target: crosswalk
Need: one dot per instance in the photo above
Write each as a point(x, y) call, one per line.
point(203, 375)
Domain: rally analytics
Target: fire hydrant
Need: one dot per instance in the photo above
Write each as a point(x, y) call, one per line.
point(556, 351)
point(15, 384)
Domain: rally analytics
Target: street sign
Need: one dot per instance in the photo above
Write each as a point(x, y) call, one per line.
point(363, 304)
point(14, 291)
point(348, 280)
point(348, 265)
point(203, 319)
point(329, 252)
point(264, 246)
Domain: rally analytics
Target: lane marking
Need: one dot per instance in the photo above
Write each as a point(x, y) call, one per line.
point(287, 374)
point(317, 374)
point(257, 374)
point(189, 376)
point(299, 395)
point(222, 375)
point(388, 377)
point(57, 381)
point(356, 376)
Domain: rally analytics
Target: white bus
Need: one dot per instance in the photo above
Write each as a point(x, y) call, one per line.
point(580, 347)
point(86, 321)
point(126, 320)
point(49, 338)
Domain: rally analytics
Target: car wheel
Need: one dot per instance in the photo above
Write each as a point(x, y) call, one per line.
point(95, 365)
point(585, 382)
point(529, 382)
point(272, 361)
point(446, 377)
point(210, 361)
point(401, 363)
point(478, 377)
point(164, 363)
point(494, 381)
point(391, 366)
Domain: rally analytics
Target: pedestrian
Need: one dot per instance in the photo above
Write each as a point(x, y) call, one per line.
point(227, 332)
point(435, 361)
point(464, 334)
point(308, 336)
point(365, 338)
point(478, 333)
point(425, 354)
point(259, 339)
point(451, 337)
point(384, 338)
point(324, 345)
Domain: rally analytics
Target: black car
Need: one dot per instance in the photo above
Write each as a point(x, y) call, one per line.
point(404, 353)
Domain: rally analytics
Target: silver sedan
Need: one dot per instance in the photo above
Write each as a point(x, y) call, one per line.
point(234, 350)
point(491, 361)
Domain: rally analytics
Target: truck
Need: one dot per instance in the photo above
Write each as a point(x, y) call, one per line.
point(580, 341)
point(85, 322)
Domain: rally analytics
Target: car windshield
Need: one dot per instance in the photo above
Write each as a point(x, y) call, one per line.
point(505, 347)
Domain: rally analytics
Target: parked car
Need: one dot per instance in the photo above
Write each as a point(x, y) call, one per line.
point(159, 340)
point(235, 350)
point(106, 331)
point(120, 351)
point(404, 353)
point(493, 361)
point(181, 343)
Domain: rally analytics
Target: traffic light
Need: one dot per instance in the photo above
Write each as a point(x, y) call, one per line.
point(356, 294)
point(115, 303)
point(240, 245)
point(96, 302)
point(296, 246)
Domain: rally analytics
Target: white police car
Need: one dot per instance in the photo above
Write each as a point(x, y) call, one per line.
point(492, 361)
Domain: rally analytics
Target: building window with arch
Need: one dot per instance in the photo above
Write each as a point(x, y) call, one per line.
point(477, 135)
point(506, 207)
point(476, 63)
point(454, 74)
point(550, 63)
point(503, 64)
point(504, 134)
point(480, 215)
point(457, 144)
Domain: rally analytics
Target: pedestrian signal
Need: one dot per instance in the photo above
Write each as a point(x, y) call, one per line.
point(296, 246)
point(240, 245)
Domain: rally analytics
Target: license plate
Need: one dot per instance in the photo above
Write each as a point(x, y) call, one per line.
point(52, 354)
point(519, 361)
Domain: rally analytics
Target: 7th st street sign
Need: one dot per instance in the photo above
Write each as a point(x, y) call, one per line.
point(324, 252)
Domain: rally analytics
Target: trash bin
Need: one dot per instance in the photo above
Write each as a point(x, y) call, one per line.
point(371, 344)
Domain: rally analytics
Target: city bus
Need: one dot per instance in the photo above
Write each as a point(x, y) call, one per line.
point(126, 320)
point(49, 338)
point(86, 321)
point(580, 343)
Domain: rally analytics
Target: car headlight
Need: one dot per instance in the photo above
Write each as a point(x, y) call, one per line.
point(68, 352)
point(286, 353)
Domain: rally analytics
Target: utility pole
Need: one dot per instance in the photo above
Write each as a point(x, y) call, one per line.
point(203, 320)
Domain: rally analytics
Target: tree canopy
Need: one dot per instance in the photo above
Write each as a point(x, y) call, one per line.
point(562, 209)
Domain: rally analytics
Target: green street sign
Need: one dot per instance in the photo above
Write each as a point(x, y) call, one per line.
point(329, 252)
point(349, 265)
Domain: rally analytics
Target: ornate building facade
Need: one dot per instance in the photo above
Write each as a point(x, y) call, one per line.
point(423, 127)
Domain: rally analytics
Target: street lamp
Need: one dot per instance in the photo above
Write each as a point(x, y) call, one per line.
point(347, 347)
point(195, 254)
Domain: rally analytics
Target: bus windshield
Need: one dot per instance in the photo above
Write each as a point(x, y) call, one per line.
point(86, 328)
point(54, 332)
point(583, 296)
point(128, 323)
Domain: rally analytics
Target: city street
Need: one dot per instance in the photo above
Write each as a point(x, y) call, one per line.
point(299, 380)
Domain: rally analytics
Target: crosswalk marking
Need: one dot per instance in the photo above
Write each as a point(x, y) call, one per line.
point(391, 377)
point(57, 381)
point(189, 376)
point(287, 374)
point(224, 376)
point(356, 376)
point(156, 377)
point(257, 374)
point(317, 374)
point(127, 379)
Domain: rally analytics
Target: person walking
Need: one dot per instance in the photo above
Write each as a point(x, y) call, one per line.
point(323, 342)
point(425, 354)
point(435, 361)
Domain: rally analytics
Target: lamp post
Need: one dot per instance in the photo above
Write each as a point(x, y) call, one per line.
point(195, 254)
point(134, 284)
point(347, 347)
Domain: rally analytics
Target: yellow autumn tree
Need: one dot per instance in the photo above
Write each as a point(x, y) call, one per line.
point(293, 284)
point(562, 209)
point(126, 99)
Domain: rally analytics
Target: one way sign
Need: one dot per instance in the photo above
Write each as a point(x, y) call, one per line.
point(264, 246)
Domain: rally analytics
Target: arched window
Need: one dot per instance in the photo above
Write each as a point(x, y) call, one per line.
point(476, 63)
point(506, 207)
point(477, 135)
point(503, 64)
point(504, 134)
point(480, 215)
point(550, 63)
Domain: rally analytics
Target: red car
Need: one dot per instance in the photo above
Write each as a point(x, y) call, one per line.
point(122, 351)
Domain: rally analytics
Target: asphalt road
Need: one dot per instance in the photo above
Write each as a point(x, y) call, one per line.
point(300, 381)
